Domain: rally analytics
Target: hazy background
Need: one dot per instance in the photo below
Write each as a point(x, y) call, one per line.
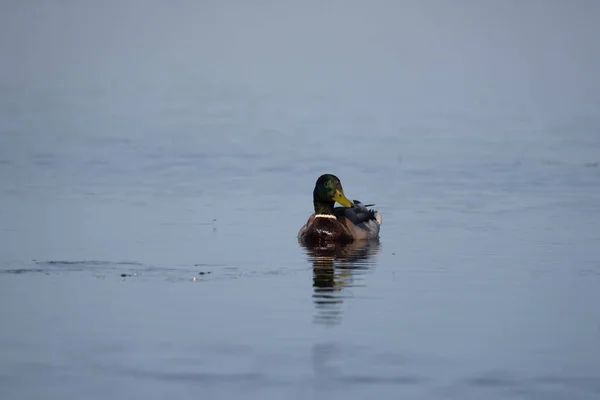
point(145, 142)
point(534, 56)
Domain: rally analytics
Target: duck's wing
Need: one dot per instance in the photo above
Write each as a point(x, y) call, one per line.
point(362, 222)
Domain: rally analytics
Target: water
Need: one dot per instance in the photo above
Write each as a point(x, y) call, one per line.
point(153, 181)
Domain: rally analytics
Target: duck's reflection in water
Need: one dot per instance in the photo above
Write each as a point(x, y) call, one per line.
point(335, 269)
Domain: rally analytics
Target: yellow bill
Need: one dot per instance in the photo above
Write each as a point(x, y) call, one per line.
point(342, 200)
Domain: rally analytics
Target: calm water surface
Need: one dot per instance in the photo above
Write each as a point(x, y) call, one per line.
point(148, 221)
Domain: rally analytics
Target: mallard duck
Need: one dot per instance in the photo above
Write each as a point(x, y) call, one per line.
point(353, 221)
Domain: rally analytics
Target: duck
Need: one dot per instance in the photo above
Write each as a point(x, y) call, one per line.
point(329, 224)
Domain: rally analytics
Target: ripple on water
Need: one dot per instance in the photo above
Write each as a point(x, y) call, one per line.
point(98, 267)
point(196, 272)
point(512, 384)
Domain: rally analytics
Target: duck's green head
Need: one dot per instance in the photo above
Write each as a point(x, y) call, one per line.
point(328, 190)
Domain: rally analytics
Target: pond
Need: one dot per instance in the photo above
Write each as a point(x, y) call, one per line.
point(149, 208)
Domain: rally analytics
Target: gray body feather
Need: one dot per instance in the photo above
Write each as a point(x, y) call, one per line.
point(360, 222)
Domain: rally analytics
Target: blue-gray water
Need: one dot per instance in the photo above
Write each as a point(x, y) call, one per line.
point(157, 161)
